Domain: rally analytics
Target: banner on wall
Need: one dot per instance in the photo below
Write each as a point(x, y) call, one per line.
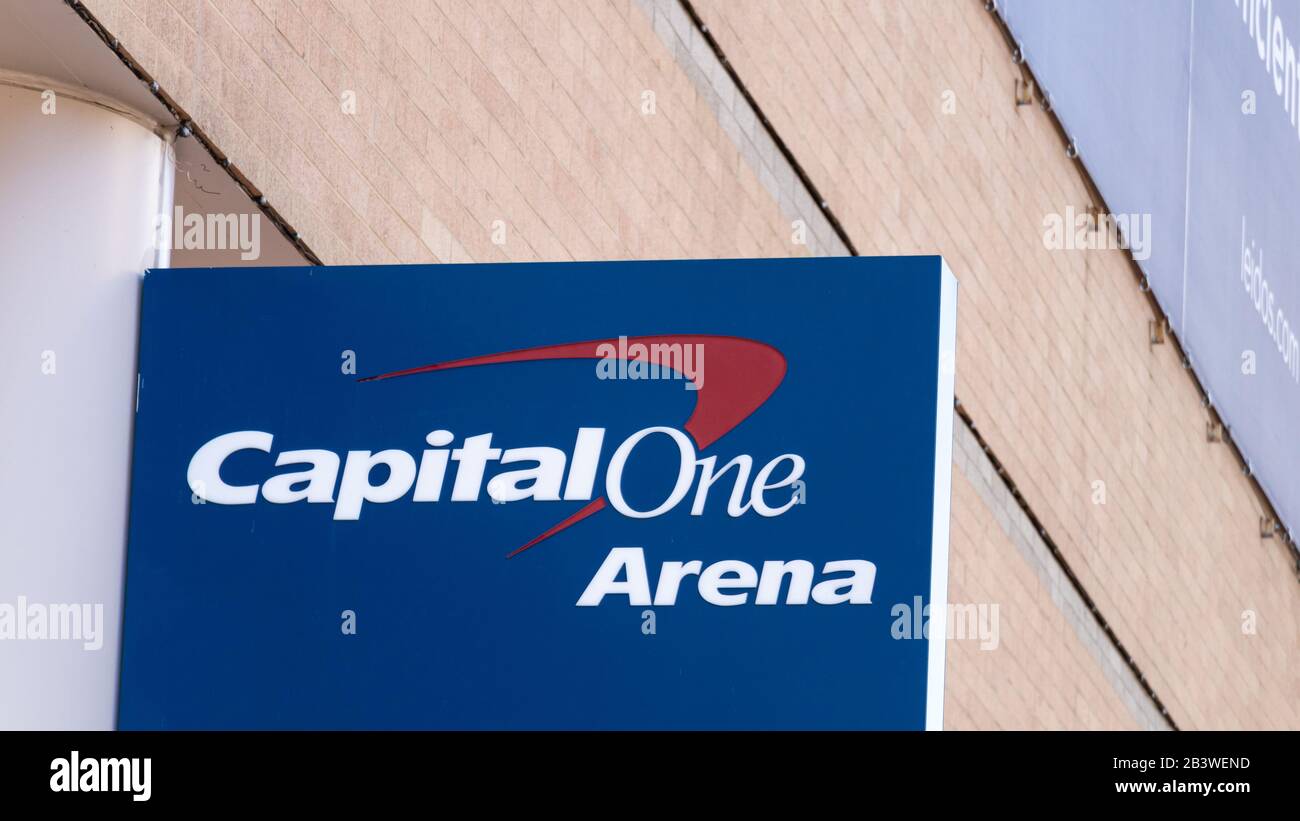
point(1187, 115)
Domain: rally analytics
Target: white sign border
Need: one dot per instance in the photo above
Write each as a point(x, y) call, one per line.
point(944, 411)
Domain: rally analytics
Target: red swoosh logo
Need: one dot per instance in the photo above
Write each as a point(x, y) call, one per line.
point(742, 374)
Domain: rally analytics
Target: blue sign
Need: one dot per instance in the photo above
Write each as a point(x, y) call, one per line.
point(593, 495)
point(1187, 115)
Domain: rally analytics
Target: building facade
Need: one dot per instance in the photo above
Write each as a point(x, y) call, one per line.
point(1107, 554)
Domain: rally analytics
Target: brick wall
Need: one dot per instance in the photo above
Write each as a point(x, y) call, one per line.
point(1052, 665)
point(1053, 362)
point(465, 114)
point(537, 115)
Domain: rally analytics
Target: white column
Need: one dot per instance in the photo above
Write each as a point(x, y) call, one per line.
point(83, 182)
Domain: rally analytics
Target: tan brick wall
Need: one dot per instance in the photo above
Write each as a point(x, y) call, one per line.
point(1053, 358)
point(1051, 666)
point(1039, 676)
point(531, 113)
point(466, 113)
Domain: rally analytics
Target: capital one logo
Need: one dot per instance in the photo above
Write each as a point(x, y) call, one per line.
point(744, 374)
